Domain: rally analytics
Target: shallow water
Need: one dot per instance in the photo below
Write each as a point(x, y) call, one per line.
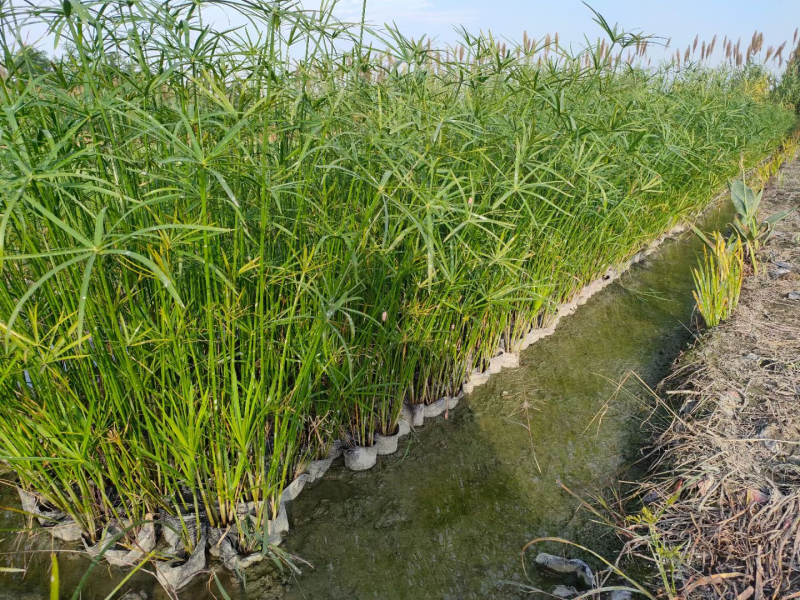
point(447, 515)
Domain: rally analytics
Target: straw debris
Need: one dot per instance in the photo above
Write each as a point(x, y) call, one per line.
point(725, 487)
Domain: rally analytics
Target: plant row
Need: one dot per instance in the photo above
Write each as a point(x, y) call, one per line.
point(221, 251)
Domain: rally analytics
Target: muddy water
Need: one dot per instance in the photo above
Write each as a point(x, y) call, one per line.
point(447, 515)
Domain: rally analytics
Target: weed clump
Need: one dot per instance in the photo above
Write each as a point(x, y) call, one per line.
point(718, 279)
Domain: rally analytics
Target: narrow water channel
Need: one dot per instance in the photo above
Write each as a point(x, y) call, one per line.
point(447, 515)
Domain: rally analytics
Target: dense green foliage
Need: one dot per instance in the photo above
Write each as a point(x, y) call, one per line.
point(788, 88)
point(219, 254)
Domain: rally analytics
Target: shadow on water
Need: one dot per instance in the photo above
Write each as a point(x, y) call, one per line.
point(447, 515)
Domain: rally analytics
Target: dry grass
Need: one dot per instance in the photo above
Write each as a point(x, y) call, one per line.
point(725, 483)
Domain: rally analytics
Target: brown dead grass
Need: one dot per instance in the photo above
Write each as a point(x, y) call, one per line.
point(725, 480)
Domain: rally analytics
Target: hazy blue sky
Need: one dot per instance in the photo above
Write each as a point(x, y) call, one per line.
point(680, 20)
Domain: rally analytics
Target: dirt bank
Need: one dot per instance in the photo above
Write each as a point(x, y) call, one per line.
point(725, 486)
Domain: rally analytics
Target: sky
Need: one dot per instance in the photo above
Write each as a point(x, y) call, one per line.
point(679, 20)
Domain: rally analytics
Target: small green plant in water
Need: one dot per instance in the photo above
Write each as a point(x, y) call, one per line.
point(718, 279)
